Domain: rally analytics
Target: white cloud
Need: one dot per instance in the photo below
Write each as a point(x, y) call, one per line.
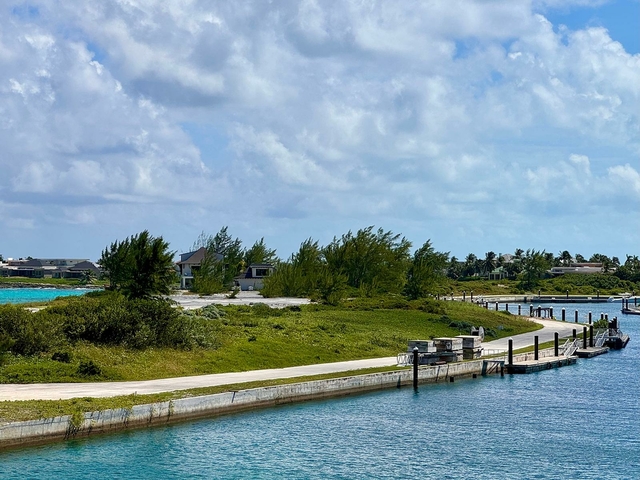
point(316, 109)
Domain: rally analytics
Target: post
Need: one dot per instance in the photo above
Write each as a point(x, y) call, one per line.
point(519, 310)
point(510, 351)
point(567, 294)
point(597, 293)
point(575, 334)
point(506, 307)
point(555, 344)
point(486, 305)
point(589, 318)
point(535, 347)
point(606, 317)
point(550, 312)
point(539, 311)
point(531, 310)
point(415, 367)
point(576, 316)
point(539, 294)
point(601, 316)
point(584, 338)
point(471, 296)
point(464, 295)
point(563, 315)
point(591, 335)
point(496, 306)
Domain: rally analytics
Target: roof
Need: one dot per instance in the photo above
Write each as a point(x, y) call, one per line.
point(196, 257)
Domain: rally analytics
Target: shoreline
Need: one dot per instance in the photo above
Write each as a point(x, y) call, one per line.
point(49, 430)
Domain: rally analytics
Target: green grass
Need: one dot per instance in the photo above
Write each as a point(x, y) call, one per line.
point(258, 337)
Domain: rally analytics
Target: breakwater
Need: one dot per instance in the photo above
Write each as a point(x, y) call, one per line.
point(92, 423)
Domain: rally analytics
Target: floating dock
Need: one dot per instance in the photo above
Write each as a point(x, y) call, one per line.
point(547, 363)
point(590, 352)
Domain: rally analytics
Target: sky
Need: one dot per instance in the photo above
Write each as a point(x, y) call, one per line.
point(480, 125)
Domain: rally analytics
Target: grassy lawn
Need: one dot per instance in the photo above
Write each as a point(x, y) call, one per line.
point(249, 338)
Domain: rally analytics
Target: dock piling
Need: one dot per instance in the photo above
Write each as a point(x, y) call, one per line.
point(550, 312)
point(510, 351)
point(589, 318)
point(556, 344)
point(535, 347)
point(563, 315)
point(531, 310)
point(575, 333)
point(519, 310)
point(576, 316)
point(416, 360)
point(591, 335)
point(496, 306)
point(584, 338)
point(506, 307)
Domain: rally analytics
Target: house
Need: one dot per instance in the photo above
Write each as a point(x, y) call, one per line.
point(580, 268)
point(190, 263)
point(31, 268)
point(47, 268)
point(77, 270)
point(253, 277)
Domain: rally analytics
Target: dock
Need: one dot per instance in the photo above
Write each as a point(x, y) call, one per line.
point(547, 363)
point(590, 352)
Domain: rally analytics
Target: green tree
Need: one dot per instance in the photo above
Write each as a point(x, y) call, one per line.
point(470, 265)
point(259, 253)
point(140, 266)
point(534, 265)
point(564, 258)
point(426, 272)
point(372, 261)
point(222, 262)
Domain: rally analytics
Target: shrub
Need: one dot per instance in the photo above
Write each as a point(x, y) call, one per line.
point(89, 369)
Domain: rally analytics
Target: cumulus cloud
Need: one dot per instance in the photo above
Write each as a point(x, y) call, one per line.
point(316, 108)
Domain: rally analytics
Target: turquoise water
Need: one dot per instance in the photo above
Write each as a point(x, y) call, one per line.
point(26, 295)
point(580, 422)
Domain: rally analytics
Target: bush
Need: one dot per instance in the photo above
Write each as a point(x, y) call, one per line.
point(89, 369)
point(29, 333)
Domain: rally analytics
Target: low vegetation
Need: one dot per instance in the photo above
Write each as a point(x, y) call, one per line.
point(108, 337)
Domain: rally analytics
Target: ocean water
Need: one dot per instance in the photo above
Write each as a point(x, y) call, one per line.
point(26, 295)
point(577, 422)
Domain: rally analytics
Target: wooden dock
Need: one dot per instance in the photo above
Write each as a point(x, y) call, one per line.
point(590, 352)
point(547, 363)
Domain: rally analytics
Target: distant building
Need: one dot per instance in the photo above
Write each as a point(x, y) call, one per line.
point(48, 268)
point(253, 277)
point(190, 263)
point(580, 268)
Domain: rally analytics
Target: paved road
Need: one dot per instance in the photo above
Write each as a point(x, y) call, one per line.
point(546, 334)
point(56, 391)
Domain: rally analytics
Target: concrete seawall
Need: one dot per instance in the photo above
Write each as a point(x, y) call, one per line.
point(65, 427)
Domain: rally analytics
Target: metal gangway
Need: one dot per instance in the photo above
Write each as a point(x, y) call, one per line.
point(570, 347)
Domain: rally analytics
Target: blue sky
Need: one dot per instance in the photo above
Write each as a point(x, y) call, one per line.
point(481, 125)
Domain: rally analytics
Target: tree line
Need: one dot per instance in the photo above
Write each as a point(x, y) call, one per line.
point(368, 262)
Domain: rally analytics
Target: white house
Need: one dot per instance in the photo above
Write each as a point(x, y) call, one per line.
point(253, 277)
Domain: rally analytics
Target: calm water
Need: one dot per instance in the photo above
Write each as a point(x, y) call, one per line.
point(26, 295)
point(580, 422)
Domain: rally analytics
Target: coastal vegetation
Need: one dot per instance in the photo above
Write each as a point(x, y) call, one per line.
point(109, 337)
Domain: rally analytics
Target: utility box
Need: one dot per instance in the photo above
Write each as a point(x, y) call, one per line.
point(470, 341)
point(424, 346)
point(448, 344)
point(471, 353)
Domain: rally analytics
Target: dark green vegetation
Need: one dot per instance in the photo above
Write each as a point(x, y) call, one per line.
point(140, 266)
point(108, 337)
point(226, 258)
